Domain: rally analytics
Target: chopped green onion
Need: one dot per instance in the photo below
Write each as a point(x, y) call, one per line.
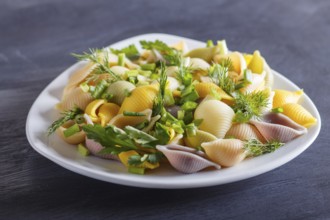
point(132, 73)
point(277, 110)
point(145, 73)
point(142, 125)
point(99, 89)
point(181, 114)
point(189, 105)
point(148, 66)
point(71, 130)
point(136, 170)
point(198, 122)
point(83, 150)
point(191, 130)
point(168, 98)
point(222, 45)
point(154, 76)
point(127, 113)
point(132, 79)
point(209, 43)
point(84, 87)
point(107, 96)
point(121, 59)
point(79, 119)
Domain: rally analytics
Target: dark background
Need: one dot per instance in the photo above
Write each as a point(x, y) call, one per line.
point(36, 39)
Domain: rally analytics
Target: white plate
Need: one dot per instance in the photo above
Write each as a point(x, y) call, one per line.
point(42, 114)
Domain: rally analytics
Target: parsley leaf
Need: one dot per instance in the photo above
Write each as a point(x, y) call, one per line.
point(130, 51)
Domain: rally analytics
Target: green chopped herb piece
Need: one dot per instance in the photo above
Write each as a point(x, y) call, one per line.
point(79, 119)
point(84, 87)
point(181, 114)
point(71, 130)
point(189, 105)
point(191, 130)
point(148, 66)
point(222, 47)
point(131, 51)
point(127, 113)
point(136, 170)
point(132, 73)
point(121, 59)
point(256, 148)
point(277, 110)
point(99, 89)
point(209, 43)
point(83, 150)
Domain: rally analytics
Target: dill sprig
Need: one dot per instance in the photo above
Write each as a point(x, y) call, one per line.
point(248, 105)
point(219, 75)
point(184, 72)
point(67, 115)
point(101, 58)
point(160, 99)
point(256, 148)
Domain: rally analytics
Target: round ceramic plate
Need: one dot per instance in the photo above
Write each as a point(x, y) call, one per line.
point(42, 114)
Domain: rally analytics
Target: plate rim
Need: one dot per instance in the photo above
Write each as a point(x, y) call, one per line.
point(139, 182)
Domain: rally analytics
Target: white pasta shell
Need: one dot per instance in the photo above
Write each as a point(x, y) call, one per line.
point(198, 63)
point(120, 71)
point(78, 76)
point(217, 117)
point(244, 132)
point(119, 90)
point(276, 126)
point(185, 159)
point(256, 84)
point(173, 83)
point(269, 78)
point(76, 97)
point(226, 152)
point(171, 71)
point(95, 147)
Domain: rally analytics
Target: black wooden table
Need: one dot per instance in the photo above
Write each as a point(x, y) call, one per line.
point(36, 38)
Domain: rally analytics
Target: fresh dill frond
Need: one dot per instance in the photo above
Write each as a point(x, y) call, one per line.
point(256, 148)
point(248, 105)
point(184, 73)
point(67, 115)
point(101, 58)
point(219, 75)
point(160, 99)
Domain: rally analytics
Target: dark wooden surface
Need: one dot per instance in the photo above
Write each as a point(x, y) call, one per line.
point(36, 38)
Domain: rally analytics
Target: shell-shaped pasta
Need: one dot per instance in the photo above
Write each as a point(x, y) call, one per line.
point(76, 138)
point(181, 46)
point(226, 152)
point(269, 78)
point(237, 60)
point(177, 139)
point(256, 64)
point(78, 76)
point(92, 107)
point(120, 90)
point(247, 58)
point(171, 71)
point(244, 132)
point(283, 97)
point(207, 88)
point(199, 138)
point(198, 63)
point(276, 126)
point(299, 114)
point(256, 84)
point(77, 97)
point(140, 99)
point(95, 147)
point(185, 159)
point(269, 105)
point(120, 71)
point(205, 53)
point(122, 121)
point(217, 117)
point(173, 83)
point(106, 112)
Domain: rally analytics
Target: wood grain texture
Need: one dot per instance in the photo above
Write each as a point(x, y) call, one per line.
point(36, 38)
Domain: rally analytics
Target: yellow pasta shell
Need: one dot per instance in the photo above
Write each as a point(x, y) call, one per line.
point(247, 58)
point(205, 53)
point(299, 114)
point(92, 108)
point(237, 61)
point(206, 88)
point(283, 97)
point(244, 132)
point(256, 64)
point(106, 112)
point(140, 99)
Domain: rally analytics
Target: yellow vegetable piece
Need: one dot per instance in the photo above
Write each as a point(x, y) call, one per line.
point(107, 111)
point(299, 114)
point(205, 88)
point(140, 99)
point(92, 108)
point(283, 97)
point(124, 156)
point(248, 58)
point(256, 64)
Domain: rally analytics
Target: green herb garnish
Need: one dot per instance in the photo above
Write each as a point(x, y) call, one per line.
point(131, 51)
point(219, 75)
point(256, 148)
point(67, 115)
point(160, 99)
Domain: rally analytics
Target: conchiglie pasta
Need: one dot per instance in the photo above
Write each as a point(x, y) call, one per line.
point(92, 108)
point(121, 121)
point(120, 90)
point(200, 137)
point(206, 88)
point(78, 76)
point(299, 114)
point(283, 97)
point(237, 61)
point(76, 97)
point(140, 99)
point(217, 117)
point(244, 132)
point(76, 138)
point(107, 111)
